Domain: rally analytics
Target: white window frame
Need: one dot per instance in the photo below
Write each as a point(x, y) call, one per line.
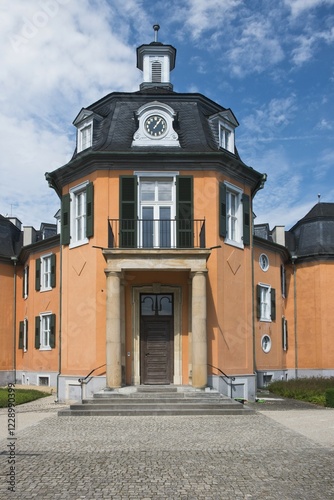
point(82, 141)
point(46, 273)
point(25, 334)
point(265, 307)
point(45, 346)
point(264, 262)
point(226, 137)
point(266, 343)
point(156, 177)
point(41, 375)
point(25, 281)
point(78, 232)
point(234, 218)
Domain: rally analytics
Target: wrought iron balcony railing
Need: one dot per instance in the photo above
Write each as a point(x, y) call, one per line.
point(156, 233)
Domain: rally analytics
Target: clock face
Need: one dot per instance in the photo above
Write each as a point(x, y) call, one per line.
point(155, 125)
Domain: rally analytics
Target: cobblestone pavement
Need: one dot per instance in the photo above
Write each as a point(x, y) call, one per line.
point(219, 457)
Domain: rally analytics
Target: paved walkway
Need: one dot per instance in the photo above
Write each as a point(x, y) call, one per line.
point(285, 451)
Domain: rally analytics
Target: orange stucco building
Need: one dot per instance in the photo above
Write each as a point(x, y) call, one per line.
point(158, 275)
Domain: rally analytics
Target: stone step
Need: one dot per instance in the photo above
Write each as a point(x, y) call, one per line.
point(160, 411)
point(156, 400)
point(148, 405)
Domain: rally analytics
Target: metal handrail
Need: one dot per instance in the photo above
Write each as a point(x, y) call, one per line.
point(145, 233)
point(84, 381)
point(223, 374)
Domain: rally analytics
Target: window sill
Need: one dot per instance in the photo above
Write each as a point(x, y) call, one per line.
point(265, 320)
point(79, 243)
point(46, 289)
point(45, 348)
point(233, 243)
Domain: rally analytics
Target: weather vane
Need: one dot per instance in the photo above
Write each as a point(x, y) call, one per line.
point(156, 28)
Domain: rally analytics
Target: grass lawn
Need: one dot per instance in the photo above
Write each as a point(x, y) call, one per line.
point(21, 396)
point(311, 390)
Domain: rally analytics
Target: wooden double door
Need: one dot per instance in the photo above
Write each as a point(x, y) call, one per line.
point(157, 339)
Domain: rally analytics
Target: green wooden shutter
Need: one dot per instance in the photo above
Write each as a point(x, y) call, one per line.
point(246, 219)
point(53, 331)
point(21, 333)
point(184, 211)
point(26, 334)
point(90, 210)
point(258, 301)
point(65, 219)
point(53, 270)
point(273, 304)
point(38, 274)
point(283, 281)
point(284, 334)
point(222, 210)
point(37, 332)
point(128, 211)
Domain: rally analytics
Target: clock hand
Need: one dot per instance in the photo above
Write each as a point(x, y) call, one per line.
point(155, 126)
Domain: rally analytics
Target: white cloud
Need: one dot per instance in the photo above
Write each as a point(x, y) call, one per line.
point(307, 45)
point(283, 184)
point(278, 113)
point(57, 56)
point(299, 7)
point(256, 48)
point(203, 15)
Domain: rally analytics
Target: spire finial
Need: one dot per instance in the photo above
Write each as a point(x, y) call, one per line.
point(319, 196)
point(156, 28)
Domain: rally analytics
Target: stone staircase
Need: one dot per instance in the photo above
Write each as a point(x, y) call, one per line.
point(156, 400)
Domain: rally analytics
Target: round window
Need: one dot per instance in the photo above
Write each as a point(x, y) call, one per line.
point(266, 343)
point(264, 262)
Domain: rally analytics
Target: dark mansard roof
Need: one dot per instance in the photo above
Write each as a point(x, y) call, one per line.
point(313, 235)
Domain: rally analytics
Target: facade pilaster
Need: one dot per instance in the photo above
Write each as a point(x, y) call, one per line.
point(113, 330)
point(199, 334)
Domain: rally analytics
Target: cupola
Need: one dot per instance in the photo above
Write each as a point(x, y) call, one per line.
point(156, 60)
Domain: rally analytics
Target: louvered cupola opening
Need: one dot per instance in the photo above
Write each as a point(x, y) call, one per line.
point(156, 72)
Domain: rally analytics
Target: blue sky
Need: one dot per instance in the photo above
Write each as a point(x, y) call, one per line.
point(270, 61)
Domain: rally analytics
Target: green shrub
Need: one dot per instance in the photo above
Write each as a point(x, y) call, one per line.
point(21, 396)
point(312, 390)
point(329, 394)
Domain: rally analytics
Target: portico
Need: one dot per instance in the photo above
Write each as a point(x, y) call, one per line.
point(192, 261)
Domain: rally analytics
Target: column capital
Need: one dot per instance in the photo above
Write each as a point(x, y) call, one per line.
point(198, 273)
point(111, 273)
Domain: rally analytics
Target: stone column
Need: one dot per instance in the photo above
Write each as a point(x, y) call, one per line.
point(199, 335)
point(113, 330)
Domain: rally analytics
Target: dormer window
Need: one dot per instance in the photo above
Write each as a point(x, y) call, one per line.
point(226, 137)
point(85, 136)
point(223, 125)
point(84, 123)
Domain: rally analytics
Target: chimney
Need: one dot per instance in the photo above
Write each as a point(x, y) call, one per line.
point(278, 235)
point(29, 235)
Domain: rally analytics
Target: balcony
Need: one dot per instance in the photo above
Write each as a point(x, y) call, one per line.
point(156, 233)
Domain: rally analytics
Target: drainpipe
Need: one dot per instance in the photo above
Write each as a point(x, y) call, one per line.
point(258, 187)
point(14, 260)
point(60, 316)
point(294, 258)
